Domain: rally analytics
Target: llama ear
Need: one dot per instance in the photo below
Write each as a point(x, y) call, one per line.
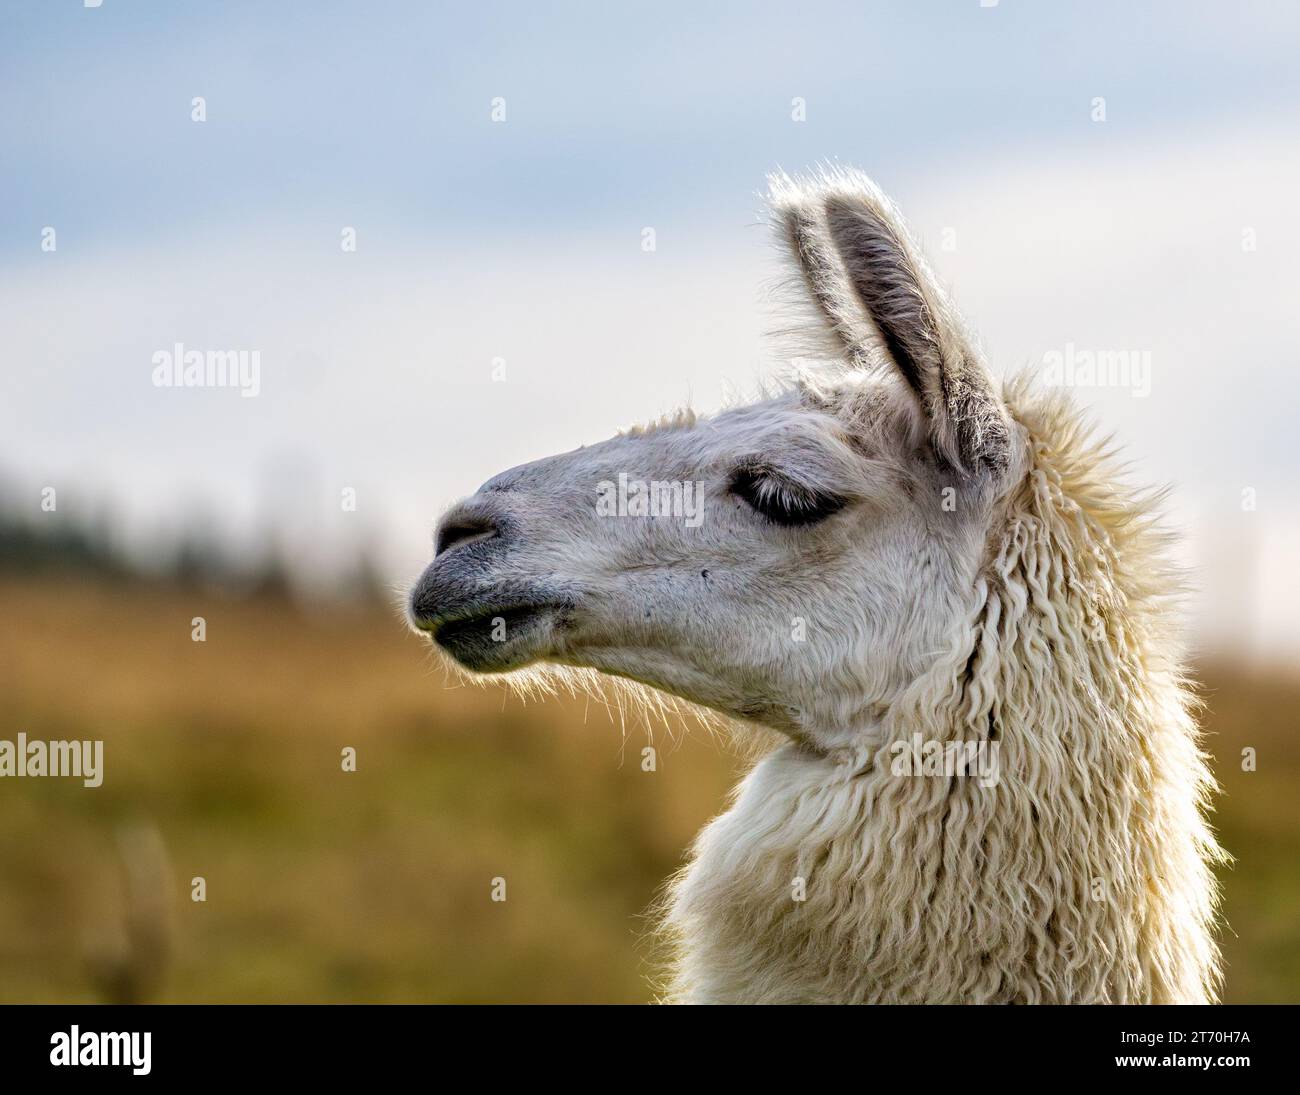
point(875, 293)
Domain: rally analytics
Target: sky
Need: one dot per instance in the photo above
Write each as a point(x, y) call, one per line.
point(499, 304)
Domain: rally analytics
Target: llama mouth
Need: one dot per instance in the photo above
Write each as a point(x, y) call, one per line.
point(495, 640)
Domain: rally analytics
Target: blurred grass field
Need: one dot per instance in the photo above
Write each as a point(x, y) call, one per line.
point(327, 886)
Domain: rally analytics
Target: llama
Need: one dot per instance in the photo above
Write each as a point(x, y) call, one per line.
point(899, 560)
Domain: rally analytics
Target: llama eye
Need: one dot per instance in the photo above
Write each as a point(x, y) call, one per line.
point(781, 501)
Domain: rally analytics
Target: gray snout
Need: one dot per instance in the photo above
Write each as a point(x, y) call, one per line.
point(466, 539)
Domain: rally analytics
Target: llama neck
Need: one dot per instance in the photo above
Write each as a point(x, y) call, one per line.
point(826, 882)
point(1078, 874)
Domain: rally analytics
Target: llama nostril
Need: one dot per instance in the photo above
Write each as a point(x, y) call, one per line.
point(463, 531)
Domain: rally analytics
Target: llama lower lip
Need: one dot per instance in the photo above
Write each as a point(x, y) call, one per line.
point(490, 641)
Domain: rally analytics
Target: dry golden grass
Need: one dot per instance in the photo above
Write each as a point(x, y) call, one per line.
point(376, 885)
point(324, 885)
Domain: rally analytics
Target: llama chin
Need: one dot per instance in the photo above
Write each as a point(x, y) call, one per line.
point(891, 548)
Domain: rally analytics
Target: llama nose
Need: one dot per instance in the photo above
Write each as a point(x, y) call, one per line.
point(459, 529)
point(447, 581)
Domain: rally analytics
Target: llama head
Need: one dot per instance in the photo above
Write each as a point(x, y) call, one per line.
point(795, 562)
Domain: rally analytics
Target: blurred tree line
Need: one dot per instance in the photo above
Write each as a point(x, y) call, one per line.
point(55, 543)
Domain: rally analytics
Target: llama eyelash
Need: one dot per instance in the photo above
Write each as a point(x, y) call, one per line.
point(782, 501)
